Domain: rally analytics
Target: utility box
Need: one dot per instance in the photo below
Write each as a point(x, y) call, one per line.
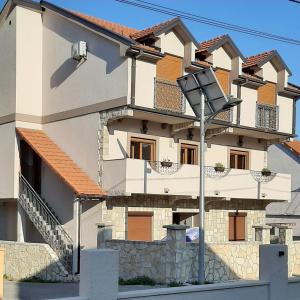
point(79, 50)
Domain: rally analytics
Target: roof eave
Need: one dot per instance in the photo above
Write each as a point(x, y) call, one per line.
point(90, 25)
point(222, 41)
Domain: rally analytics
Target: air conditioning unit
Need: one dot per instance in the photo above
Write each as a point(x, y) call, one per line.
point(79, 50)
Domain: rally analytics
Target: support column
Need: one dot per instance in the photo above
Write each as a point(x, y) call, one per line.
point(175, 256)
point(76, 239)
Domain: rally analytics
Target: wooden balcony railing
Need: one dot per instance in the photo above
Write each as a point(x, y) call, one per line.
point(168, 96)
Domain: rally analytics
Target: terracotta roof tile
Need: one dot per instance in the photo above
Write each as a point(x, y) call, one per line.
point(294, 146)
point(150, 30)
point(115, 27)
point(60, 162)
point(254, 60)
point(203, 46)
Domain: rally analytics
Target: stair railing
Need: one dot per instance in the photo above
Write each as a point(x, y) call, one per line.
point(46, 223)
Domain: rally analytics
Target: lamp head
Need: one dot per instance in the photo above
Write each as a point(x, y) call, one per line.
point(231, 103)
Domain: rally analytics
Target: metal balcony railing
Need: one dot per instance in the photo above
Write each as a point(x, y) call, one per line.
point(267, 116)
point(168, 96)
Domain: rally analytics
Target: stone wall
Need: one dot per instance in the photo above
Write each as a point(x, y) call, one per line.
point(176, 260)
point(115, 210)
point(27, 260)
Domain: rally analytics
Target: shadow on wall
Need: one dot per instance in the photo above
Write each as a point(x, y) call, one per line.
point(101, 51)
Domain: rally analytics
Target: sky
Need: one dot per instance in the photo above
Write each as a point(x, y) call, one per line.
point(280, 17)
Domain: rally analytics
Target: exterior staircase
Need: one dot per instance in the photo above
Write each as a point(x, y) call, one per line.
point(46, 223)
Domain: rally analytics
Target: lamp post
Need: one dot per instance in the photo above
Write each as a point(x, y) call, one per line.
point(207, 99)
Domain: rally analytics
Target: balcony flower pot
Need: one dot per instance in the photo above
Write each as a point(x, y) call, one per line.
point(266, 172)
point(219, 167)
point(166, 164)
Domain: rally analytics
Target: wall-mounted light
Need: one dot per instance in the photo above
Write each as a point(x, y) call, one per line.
point(217, 193)
point(241, 141)
point(144, 128)
point(190, 134)
point(166, 190)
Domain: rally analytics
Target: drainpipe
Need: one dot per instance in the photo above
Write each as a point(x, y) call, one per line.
point(77, 232)
point(133, 75)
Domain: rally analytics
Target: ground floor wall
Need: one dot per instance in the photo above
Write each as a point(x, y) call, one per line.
point(115, 213)
point(8, 220)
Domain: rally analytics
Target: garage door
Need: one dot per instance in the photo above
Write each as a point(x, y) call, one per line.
point(140, 226)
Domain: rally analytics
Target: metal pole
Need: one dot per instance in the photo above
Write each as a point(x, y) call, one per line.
point(201, 254)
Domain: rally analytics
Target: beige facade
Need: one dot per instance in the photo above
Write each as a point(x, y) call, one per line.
point(93, 108)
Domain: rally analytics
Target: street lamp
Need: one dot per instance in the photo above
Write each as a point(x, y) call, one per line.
point(207, 99)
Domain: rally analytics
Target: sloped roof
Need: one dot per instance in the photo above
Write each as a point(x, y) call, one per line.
point(60, 163)
point(294, 146)
point(118, 28)
point(151, 30)
point(256, 60)
point(205, 45)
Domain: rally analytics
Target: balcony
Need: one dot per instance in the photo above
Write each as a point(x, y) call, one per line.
point(267, 116)
point(168, 96)
point(133, 176)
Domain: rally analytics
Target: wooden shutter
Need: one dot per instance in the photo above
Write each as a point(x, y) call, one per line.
point(139, 226)
point(223, 78)
point(237, 227)
point(267, 94)
point(231, 228)
point(169, 68)
point(240, 227)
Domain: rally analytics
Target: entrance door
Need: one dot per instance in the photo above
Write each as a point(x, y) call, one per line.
point(30, 166)
point(139, 226)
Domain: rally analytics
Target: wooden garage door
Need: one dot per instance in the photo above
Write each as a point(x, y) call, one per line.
point(169, 68)
point(224, 80)
point(267, 94)
point(139, 226)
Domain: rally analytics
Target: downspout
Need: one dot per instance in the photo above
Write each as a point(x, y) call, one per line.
point(133, 75)
point(294, 115)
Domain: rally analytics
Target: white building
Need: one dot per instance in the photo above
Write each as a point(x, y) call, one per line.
point(110, 139)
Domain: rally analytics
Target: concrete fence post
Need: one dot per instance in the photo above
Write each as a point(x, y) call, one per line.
point(104, 233)
point(99, 274)
point(262, 233)
point(2, 252)
point(175, 253)
point(273, 267)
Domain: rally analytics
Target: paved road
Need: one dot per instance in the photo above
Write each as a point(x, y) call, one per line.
point(42, 291)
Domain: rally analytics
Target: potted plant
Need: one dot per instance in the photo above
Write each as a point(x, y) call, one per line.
point(219, 167)
point(166, 163)
point(265, 172)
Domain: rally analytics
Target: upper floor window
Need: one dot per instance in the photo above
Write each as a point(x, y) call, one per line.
point(188, 154)
point(266, 94)
point(142, 149)
point(239, 159)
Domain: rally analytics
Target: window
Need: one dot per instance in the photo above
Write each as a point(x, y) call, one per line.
point(237, 226)
point(239, 159)
point(142, 149)
point(188, 154)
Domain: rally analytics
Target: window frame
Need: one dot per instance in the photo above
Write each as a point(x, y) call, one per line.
point(235, 215)
point(145, 141)
point(239, 152)
point(187, 146)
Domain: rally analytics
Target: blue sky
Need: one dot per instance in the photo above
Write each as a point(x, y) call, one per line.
point(279, 17)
